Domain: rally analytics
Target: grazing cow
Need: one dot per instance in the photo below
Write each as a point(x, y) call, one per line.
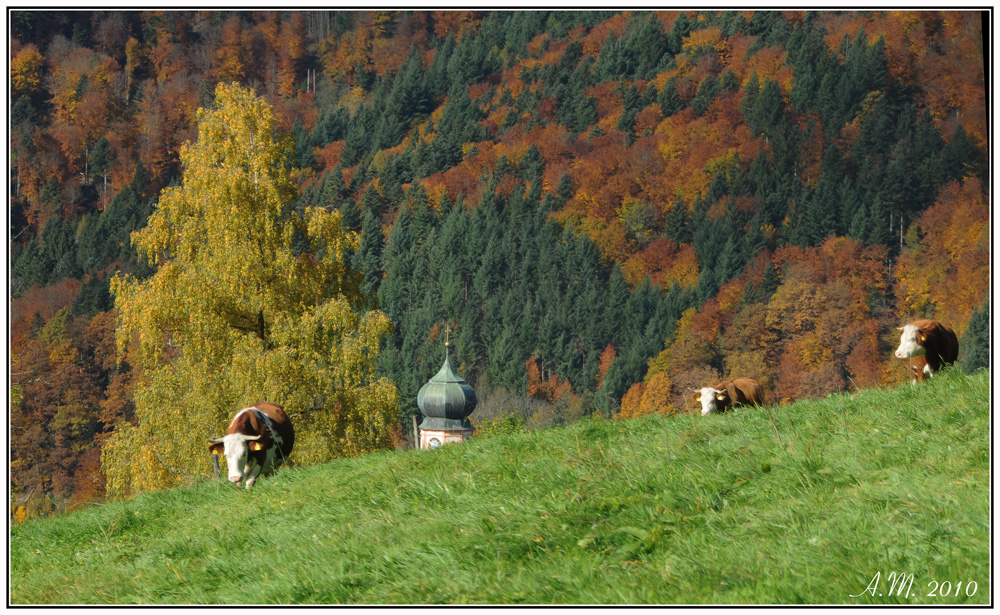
point(930, 339)
point(735, 392)
point(259, 439)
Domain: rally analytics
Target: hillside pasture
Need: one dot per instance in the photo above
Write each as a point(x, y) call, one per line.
point(796, 504)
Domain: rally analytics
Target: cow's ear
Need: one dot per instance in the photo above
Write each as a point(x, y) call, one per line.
point(256, 446)
point(922, 337)
point(216, 448)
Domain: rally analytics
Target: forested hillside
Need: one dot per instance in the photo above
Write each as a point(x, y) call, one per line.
point(604, 208)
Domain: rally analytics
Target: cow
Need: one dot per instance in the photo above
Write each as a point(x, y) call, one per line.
point(259, 439)
point(734, 392)
point(930, 339)
point(918, 368)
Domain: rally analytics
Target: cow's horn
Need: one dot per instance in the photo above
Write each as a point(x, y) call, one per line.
point(216, 440)
point(252, 437)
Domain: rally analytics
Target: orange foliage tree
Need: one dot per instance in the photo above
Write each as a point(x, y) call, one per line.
point(816, 334)
point(26, 72)
point(944, 270)
point(549, 389)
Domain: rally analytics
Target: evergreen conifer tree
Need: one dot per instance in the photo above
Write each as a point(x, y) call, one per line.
point(304, 157)
point(399, 263)
point(860, 227)
point(878, 230)
point(958, 157)
point(676, 224)
point(975, 345)
point(750, 92)
point(101, 160)
point(681, 28)
point(649, 46)
point(668, 99)
point(707, 90)
point(350, 217)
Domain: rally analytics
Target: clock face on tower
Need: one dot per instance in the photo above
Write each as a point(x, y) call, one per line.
point(433, 443)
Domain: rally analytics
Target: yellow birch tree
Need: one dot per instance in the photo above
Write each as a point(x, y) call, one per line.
point(250, 301)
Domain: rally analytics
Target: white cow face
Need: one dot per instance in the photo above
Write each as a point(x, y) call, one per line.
point(235, 448)
point(910, 342)
point(709, 398)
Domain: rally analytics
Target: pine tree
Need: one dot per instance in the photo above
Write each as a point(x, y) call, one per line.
point(681, 28)
point(821, 216)
point(361, 135)
point(331, 126)
point(350, 216)
point(565, 189)
point(729, 262)
point(94, 297)
point(399, 263)
point(668, 99)
point(304, 157)
point(767, 110)
point(334, 190)
point(975, 346)
point(959, 158)
point(750, 93)
point(850, 204)
point(860, 227)
point(407, 99)
point(809, 57)
point(504, 362)
point(101, 161)
point(631, 105)
point(878, 230)
point(617, 298)
point(436, 81)
point(927, 149)
point(532, 165)
point(649, 46)
point(729, 82)
point(30, 266)
point(22, 111)
point(57, 243)
point(676, 224)
point(707, 90)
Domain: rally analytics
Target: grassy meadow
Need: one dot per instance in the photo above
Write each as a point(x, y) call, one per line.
point(799, 504)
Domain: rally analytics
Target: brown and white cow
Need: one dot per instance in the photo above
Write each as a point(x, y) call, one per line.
point(918, 368)
point(930, 339)
point(259, 439)
point(734, 392)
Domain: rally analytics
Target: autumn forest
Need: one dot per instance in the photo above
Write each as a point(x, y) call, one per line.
point(604, 209)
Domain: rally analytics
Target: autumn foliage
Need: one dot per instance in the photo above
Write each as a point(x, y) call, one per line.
point(944, 271)
point(234, 316)
point(682, 196)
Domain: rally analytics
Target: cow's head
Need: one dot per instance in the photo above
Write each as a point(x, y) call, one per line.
point(235, 447)
point(911, 342)
point(711, 399)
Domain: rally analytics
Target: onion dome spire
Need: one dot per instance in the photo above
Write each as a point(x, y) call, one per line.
point(446, 400)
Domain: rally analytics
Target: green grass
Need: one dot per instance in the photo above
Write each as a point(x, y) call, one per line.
point(797, 504)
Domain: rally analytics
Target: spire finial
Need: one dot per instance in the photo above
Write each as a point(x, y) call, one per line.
point(447, 330)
